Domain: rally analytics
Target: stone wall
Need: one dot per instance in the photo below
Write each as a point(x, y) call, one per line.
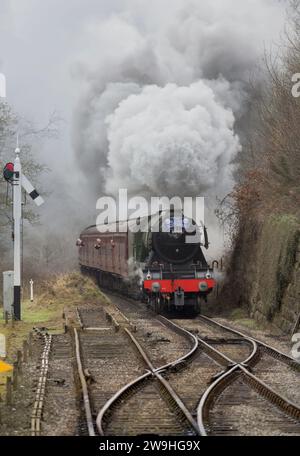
point(265, 271)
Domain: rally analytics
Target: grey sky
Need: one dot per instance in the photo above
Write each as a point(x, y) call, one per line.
point(51, 53)
point(41, 40)
point(38, 42)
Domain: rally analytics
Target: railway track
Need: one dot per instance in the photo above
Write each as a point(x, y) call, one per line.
point(105, 362)
point(133, 409)
point(241, 397)
point(60, 410)
point(271, 366)
point(143, 398)
point(238, 403)
point(38, 405)
point(212, 383)
point(233, 349)
point(164, 343)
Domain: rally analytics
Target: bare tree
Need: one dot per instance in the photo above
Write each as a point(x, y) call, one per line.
point(11, 128)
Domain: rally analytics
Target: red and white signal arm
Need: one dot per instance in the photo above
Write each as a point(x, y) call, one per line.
point(32, 192)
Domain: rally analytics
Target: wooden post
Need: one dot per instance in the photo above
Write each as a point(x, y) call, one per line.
point(8, 391)
point(30, 344)
point(19, 361)
point(15, 376)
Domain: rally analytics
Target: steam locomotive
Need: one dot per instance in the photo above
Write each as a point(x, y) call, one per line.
point(158, 259)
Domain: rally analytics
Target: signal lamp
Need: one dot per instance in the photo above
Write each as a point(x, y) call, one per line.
point(8, 172)
point(208, 275)
point(149, 277)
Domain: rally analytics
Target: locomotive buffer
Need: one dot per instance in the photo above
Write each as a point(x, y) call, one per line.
point(13, 174)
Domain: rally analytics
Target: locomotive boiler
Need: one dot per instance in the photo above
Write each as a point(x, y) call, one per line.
point(158, 259)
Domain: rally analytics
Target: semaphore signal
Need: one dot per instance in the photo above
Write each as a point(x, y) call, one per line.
point(12, 173)
point(32, 192)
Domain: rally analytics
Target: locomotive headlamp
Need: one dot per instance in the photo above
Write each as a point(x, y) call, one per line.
point(149, 277)
point(203, 286)
point(208, 275)
point(156, 287)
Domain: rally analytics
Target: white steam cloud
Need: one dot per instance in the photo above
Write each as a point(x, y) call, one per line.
point(171, 140)
point(165, 86)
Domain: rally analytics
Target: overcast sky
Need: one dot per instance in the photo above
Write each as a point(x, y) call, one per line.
point(51, 50)
point(39, 41)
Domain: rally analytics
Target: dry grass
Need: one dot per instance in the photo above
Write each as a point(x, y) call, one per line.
point(52, 298)
point(240, 317)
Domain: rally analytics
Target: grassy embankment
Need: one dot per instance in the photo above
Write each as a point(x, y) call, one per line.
point(52, 297)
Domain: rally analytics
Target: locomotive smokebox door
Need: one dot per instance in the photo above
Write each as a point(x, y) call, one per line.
point(179, 298)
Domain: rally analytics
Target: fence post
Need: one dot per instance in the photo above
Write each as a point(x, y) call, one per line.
point(8, 391)
point(30, 344)
point(15, 376)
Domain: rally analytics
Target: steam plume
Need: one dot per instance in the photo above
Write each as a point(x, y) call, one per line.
point(160, 106)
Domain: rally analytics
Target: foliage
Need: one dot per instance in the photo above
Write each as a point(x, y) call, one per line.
point(268, 169)
point(14, 129)
point(277, 248)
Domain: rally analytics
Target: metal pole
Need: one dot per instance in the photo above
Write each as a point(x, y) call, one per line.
point(17, 215)
point(31, 290)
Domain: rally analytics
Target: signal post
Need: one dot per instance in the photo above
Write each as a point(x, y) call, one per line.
point(17, 216)
point(13, 174)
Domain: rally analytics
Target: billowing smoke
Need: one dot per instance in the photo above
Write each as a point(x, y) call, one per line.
point(135, 273)
point(162, 98)
point(171, 140)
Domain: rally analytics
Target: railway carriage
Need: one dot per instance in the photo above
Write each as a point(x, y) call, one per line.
point(158, 259)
